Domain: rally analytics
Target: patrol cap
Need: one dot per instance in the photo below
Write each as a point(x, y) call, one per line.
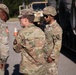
point(5, 8)
point(50, 10)
point(25, 12)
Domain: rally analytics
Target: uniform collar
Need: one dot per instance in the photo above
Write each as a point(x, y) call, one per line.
point(2, 22)
point(30, 25)
point(53, 23)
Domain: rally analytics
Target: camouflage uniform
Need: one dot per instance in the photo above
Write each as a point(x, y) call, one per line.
point(53, 44)
point(53, 33)
point(4, 47)
point(30, 41)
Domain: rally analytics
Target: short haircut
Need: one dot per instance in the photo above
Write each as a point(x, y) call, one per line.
point(29, 17)
point(5, 13)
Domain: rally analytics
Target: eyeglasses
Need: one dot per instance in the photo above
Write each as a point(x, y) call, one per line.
point(45, 16)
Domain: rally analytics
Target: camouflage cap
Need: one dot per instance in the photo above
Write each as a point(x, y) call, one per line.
point(50, 10)
point(5, 8)
point(26, 12)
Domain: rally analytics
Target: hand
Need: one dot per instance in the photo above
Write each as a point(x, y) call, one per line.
point(49, 59)
point(15, 42)
point(1, 66)
point(18, 48)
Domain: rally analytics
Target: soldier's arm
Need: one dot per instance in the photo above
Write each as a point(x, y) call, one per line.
point(17, 44)
point(4, 46)
point(48, 47)
point(57, 41)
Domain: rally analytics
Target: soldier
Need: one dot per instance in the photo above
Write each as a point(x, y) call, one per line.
point(4, 48)
point(29, 41)
point(53, 33)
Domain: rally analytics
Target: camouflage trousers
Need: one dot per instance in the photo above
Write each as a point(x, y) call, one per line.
point(46, 69)
point(1, 72)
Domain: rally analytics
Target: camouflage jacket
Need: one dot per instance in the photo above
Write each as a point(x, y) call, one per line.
point(32, 40)
point(4, 47)
point(53, 33)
